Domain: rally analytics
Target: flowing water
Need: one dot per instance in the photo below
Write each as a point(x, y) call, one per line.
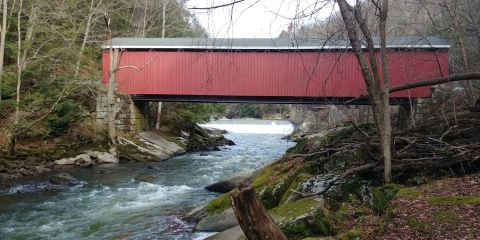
point(138, 200)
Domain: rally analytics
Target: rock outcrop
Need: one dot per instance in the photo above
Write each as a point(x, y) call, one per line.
point(206, 139)
point(148, 146)
point(227, 185)
point(217, 222)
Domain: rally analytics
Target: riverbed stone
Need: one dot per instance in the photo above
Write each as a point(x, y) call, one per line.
point(103, 157)
point(148, 146)
point(206, 140)
point(235, 233)
point(227, 185)
point(80, 160)
point(63, 179)
point(217, 222)
point(197, 213)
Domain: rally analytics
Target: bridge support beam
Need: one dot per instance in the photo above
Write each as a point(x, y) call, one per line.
point(130, 116)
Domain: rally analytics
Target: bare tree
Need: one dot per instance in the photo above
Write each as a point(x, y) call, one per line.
point(113, 58)
point(2, 41)
point(16, 120)
point(377, 84)
point(159, 108)
point(92, 9)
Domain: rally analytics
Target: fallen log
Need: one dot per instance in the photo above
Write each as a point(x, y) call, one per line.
point(252, 216)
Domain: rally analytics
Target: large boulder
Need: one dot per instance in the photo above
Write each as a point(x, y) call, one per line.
point(297, 220)
point(206, 140)
point(63, 179)
point(217, 222)
point(148, 146)
point(197, 213)
point(227, 185)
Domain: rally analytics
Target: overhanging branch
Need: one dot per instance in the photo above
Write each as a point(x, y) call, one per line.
point(431, 82)
point(216, 6)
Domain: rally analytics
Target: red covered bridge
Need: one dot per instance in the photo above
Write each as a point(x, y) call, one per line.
point(265, 70)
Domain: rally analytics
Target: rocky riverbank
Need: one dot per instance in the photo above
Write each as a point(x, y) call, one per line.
point(36, 159)
point(319, 190)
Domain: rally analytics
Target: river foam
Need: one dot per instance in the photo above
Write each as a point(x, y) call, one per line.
point(255, 126)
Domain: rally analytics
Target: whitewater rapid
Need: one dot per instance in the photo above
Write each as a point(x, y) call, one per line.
point(138, 200)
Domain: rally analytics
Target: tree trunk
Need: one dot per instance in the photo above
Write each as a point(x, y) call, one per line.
point(159, 108)
point(111, 100)
point(13, 137)
point(252, 216)
point(386, 139)
point(85, 36)
point(113, 58)
point(2, 42)
point(32, 20)
point(378, 92)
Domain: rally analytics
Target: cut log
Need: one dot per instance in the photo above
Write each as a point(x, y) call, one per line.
point(252, 216)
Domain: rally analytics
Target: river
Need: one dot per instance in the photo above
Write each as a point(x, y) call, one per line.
point(138, 200)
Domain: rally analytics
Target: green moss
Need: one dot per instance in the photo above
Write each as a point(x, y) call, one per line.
point(413, 222)
point(352, 234)
point(297, 230)
point(381, 196)
point(454, 200)
point(273, 192)
point(408, 193)
point(298, 208)
point(300, 147)
point(447, 216)
point(263, 177)
point(219, 204)
point(296, 181)
point(303, 218)
point(347, 133)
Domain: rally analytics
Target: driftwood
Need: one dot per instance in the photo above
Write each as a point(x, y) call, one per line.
point(252, 216)
point(441, 150)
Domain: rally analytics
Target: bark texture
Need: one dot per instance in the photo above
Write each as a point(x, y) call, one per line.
point(252, 216)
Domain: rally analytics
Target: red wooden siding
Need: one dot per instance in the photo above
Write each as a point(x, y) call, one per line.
point(268, 74)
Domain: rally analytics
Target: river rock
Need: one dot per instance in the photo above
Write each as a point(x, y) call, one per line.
point(103, 157)
point(235, 233)
point(217, 222)
point(63, 179)
point(233, 182)
point(82, 160)
point(206, 140)
point(197, 213)
point(148, 146)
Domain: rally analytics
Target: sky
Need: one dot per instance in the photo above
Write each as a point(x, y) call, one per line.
point(253, 18)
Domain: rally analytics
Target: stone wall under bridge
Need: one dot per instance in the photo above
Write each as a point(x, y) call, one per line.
point(131, 116)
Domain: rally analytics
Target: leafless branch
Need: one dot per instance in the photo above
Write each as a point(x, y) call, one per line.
point(217, 6)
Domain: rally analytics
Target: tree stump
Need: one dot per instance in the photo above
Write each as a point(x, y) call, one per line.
point(252, 216)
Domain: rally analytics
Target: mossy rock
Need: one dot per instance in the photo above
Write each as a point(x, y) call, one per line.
point(379, 197)
point(297, 179)
point(219, 204)
point(303, 218)
point(300, 147)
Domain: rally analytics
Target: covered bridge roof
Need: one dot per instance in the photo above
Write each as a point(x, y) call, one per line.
point(267, 43)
